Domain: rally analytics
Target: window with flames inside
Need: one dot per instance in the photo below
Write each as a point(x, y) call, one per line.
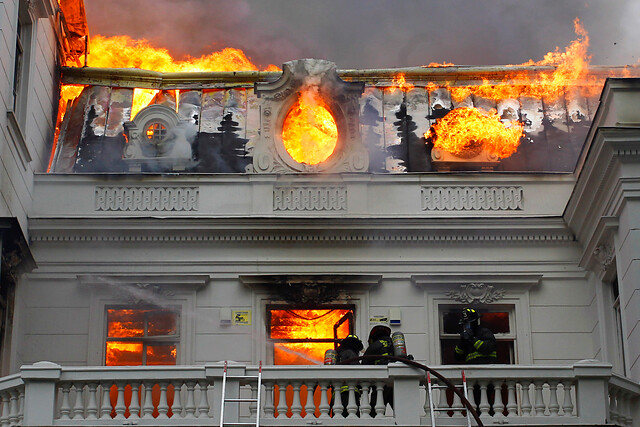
point(142, 336)
point(302, 336)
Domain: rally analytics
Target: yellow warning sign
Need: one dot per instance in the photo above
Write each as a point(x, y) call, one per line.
point(241, 317)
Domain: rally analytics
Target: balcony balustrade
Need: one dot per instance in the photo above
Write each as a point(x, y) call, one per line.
point(586, 393)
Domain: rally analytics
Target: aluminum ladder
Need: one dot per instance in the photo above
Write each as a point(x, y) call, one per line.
point(258, 379)
point(442, 390)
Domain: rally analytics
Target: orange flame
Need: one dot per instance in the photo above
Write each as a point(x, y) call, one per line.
point(309, 132)
point(399, 82)
point(439, 64)
point(571, 68)
point(467, 130)
point(303, 325)
point(125, 52)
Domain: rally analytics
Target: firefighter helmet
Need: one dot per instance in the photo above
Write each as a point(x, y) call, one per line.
point(379, 330)
point(352, 341)
point(469, 315)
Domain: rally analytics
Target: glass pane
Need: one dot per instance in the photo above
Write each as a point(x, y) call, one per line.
point(125, 323)
point(306, 324)
point(162, 323)
point(504, 351)
point(498, 323)
point(123, 354)
point(307, 353)
point(451, 322)
point(161, 354)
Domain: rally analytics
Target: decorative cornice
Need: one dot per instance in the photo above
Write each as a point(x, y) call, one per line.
point(476, 293)
point(324, 236)
point(605, 254)
point(137, 198)
point(303, 198)
point(472, 198)
point(476, 281)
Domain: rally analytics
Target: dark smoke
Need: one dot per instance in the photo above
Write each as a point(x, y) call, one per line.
point(376, 33)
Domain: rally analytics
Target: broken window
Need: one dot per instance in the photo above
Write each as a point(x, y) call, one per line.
point(499, 321)
point(142, 336)
point(301, 336)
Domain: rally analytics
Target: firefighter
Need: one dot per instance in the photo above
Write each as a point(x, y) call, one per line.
point(477, 344)
point(349, 348)
point(380, 344)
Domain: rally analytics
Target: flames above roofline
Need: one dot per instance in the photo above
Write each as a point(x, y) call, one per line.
point(459, 75)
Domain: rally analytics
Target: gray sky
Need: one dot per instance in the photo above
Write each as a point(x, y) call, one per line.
point(376, 33)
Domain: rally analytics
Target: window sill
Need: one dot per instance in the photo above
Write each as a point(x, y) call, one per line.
point(19, 141)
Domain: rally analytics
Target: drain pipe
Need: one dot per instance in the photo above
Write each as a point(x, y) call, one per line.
point(435, 373)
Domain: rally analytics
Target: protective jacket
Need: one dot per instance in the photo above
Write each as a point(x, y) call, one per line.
point(478, 349)
point(382, 346)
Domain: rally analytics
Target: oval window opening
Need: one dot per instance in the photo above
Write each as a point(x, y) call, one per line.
point(309, 132)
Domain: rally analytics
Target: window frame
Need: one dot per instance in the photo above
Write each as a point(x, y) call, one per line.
point(24, 35)
point(145, 340)
point(500, 337)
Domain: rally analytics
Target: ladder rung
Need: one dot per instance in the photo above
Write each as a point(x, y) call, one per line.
point(240, 399)
point(457, 408)
point(240, 424)
point(243, 377)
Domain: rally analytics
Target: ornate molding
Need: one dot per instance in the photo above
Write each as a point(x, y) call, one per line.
point(310, 198)
point(146, 198)
point(472, 198)
point(605, 254)
point(476, 293)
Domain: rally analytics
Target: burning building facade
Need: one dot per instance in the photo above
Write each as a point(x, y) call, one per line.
point(259, 217)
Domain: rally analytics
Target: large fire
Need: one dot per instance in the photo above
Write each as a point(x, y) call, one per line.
point(309, 131)
point(466, 131)
point(309, 334)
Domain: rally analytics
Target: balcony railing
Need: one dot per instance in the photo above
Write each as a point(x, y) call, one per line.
point(586, 393)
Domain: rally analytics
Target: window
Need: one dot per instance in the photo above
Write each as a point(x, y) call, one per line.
point(21, 63)
point(619, 359)
point(301, 336)
point(142, 336)
point(156, 132)
point(499, 321)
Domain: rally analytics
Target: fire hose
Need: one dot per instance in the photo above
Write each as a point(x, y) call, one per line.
point(433, 372)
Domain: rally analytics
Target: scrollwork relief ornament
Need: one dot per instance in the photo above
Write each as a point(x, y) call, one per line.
point(605, 255)
point(476, 293)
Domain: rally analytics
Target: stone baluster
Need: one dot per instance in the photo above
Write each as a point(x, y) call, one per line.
point(163, 406)
point(337, 399)
point(176, 407)
point(4, 418)
point(352, 406)
point(269, 409)
point(526, 402)
point(105, 406)
point(442, 400)
point(296, 404)
point(483, 407)
point(310, 407)
point(512, 403)
point(147, 406)
point(92, 401)
point(324, 402)
point(554, 406)
point(380, 405)
point(539, 407)
point(203, 404)
point(65, 407)
point(456, 403)
point(282, 400)
point(567, 400)
point(20, 405)
point(613, 404)
point(120, 406)
point(498, 405)
point(425, 407)
point(78, 405)
point(253, 406)
point(134, 406)
point(190, 404)
point(626, 408)
point(13, 413)
point(365, 403)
